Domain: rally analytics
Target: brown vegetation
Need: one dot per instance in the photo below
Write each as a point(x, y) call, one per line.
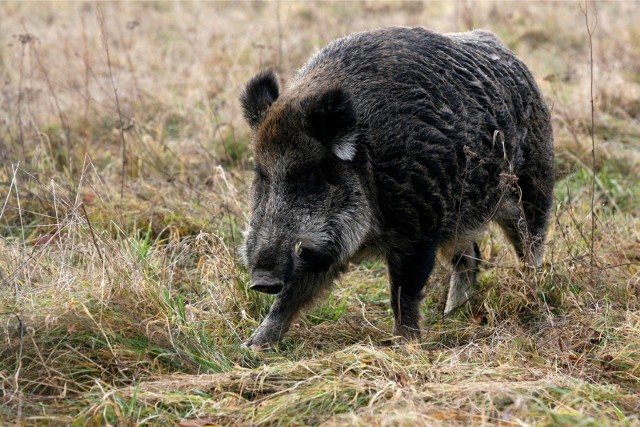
point(129, 307)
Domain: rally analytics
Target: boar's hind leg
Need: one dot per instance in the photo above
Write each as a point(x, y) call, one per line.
point(465, 260)
point(286, 308)
point(408, 274)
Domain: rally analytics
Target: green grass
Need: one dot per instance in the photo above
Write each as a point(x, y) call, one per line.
point(130, 309)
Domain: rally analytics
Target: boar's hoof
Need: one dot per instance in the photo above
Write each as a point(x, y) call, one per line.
point(258, 342)
point(267, 335)
point(460, 292)
point(405, 334)
point(255, 346)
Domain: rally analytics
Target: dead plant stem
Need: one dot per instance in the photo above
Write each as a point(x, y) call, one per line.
point(590, 31)
point(105, 42)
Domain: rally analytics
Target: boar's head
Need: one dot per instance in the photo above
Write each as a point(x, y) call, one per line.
point(311, 208)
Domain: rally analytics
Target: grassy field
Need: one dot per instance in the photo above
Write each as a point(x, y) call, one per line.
point(124, 169)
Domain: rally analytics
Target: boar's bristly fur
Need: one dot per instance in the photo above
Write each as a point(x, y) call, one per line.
point(398, 142)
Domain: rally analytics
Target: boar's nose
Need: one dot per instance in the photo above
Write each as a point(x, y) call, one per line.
point(264, 281)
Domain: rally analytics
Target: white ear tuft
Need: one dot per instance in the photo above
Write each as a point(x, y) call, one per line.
point(344, 149)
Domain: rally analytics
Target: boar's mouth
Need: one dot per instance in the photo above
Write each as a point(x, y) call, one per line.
point(265, 282)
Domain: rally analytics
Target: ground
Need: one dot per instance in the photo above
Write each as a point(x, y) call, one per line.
point(124, 171)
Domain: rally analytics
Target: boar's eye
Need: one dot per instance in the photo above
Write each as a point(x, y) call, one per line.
point(309, 181)
point(314, 260)
point(260, 182)
point(260, 176)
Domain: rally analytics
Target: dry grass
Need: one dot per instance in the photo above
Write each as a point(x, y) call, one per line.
point(130, 309)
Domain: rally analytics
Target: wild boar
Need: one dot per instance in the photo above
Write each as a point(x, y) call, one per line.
point(398, 142)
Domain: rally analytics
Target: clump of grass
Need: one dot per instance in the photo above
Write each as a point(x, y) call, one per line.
point(131, 309)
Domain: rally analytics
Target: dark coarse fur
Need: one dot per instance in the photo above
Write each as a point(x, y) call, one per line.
point(397, 142)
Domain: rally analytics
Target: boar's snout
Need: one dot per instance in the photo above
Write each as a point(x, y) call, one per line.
point(274, 269)
point(265, 282)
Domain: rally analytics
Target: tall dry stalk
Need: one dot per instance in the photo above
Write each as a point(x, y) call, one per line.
point(590, 30)
point(105, 42)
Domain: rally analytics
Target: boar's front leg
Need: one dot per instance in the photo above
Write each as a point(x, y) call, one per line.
point(288, 304)
point(408, 273)
point(274, 326)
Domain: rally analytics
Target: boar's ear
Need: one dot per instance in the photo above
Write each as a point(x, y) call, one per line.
point(258, 95)
point(330, 117)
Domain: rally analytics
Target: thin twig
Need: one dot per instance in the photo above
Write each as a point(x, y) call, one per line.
point(590, 31)
point(105, 42)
